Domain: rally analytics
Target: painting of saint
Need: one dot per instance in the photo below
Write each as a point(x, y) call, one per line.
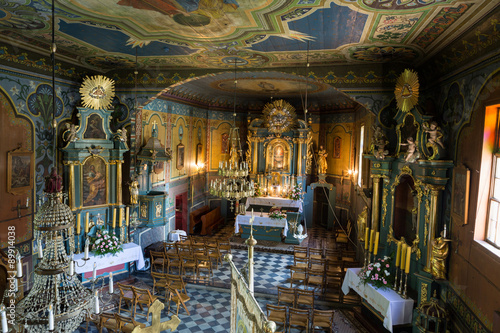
point(94, 182)
point(20, 176)
point(278, 157)
point(94, 128)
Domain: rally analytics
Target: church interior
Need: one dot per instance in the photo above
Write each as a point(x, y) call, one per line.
point(173, 157)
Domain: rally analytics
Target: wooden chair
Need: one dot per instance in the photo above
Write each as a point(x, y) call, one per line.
point(143, 297)
point(301, 262)
point(169, 247)
point(322, 319)
point(304, 297)
point(277, 313)
point(317, 264)
point(203, 262)
point(315, 253)
point(127, 296)
point(333, 282)
point(174, 261)
point(127, 324)
point(212, 251)
point(184, 239)
point(300, 251)
point(179, 298)
point(159, 282)
point(342, 238)
point(199, 249)
point(188, 263)
point(333, 254)
point(297, 275)
point(334, 265)
point(176, 281)
point(298, 318)
point(184, 248)
point(286, 295)
point(316, 279)
point(158, 260)
point(108, 321)
point(224, 246)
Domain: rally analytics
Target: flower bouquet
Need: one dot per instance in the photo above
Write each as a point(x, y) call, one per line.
point(257, 191)
point(276, 214)
point(377, 273)
point(105, 243)
point(295, 192)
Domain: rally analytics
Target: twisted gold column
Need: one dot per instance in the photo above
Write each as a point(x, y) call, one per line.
point(375, 203)
point(435, 192)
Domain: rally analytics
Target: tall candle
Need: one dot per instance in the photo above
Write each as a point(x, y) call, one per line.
point(86, 252)
point(127, 216)
point(408, 259)
point(375, 250)
point(51, 318)
point(398, 254)
point(120, 218)
point(96, 302)
point(94, 271)
point(114, 218)
point(78, 227)
point(40, 249)
point(87, 223)
point(367, 231)
point(403, 254)
point(19, 265)
point(3, 314)
point(111, 290)
point(71, 266)
point(372, 239)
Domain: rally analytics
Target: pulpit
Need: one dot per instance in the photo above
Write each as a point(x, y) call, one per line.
point(152, 209)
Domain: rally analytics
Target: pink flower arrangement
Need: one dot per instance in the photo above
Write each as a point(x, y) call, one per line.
point(104, 243)
point(377, 273)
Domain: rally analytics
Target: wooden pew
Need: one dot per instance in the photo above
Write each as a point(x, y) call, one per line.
point(211, 221)
point(195, 219)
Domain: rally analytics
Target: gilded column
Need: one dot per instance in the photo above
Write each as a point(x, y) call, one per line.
point(299, 161)
point(71, 192)
point(255, 158)
point(435, 192)
point(375, 203)
point(119, 182)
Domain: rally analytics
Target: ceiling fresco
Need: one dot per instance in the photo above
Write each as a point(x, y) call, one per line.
point(108, 35)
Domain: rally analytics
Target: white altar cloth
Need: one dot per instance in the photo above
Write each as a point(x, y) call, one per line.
point(175, 235)
point(131, 252)
point(274, 201)
point(395, 309)
point(264, 221)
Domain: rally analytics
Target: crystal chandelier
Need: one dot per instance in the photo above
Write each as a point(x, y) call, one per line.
point(233, 184)
point(58, 301)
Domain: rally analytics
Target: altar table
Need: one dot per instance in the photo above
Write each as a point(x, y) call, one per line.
point(274, 201)
point(264, 227)
point(395, 309)
point(109, 262)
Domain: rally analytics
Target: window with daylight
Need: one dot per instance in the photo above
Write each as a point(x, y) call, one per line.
point(361, 147)
point(492, 152)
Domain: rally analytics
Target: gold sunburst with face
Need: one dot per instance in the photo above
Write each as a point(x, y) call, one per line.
point(97, 92)
point(407, 90)
point(279, 116)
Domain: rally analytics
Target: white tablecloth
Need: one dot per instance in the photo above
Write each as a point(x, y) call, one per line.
point(131, 252)
point(396, 310)
point(274, 201)
point(175, 235)
point(265, 220)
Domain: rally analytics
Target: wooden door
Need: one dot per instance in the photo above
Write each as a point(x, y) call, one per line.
point(181, 211)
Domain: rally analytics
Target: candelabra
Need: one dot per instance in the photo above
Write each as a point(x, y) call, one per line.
point(401, 282)
point(404, 295)
point(57, 301)
point(395, 287)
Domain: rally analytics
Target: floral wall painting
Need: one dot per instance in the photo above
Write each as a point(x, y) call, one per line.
point(94, 128)
point(180, 156)
point(460, 195)
point(19, 175)
point(337, 144)
point(224, 143)
point(94, 182)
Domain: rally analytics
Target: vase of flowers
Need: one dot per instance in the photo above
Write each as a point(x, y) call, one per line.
point(277, 214)
point(105, 243)
point(257, 192)
point(377, 273)
point(296, 193)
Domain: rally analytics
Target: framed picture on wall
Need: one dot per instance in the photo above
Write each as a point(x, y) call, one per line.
point(180, 156)
point(19, 171)
point(460, 195)
point(199, 152)
point(94, 182)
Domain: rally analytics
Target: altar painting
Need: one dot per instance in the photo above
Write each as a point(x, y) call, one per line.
point(94, 191)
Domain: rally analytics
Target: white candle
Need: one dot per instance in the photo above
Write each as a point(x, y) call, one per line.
point(444, 232)
point(19, 265)
point(111, 287)
point(96, 302)
point(5, 329)
point(51, 318)
point(86, 255)
point(40, 250)
point(71, 265)
point(94, 272)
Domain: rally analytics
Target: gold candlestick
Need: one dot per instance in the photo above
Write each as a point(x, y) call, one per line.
point(401, 282)
point(395, 287)
point(405, 288)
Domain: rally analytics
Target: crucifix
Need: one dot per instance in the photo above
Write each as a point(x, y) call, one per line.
point(19, 207)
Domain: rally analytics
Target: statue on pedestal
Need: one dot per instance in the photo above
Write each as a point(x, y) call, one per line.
point(322, 164)
point(379, 141)
point(134, 191)
point(440, 250)
point(434, 139)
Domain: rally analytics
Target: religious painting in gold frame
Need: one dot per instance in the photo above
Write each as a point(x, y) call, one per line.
point(180, 156)
point(460, 195)
point(20, 164)
point(94, 182)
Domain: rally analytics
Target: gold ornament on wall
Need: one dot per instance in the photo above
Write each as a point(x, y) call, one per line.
point(279, 116)
point(97, 92)
point(406, 91)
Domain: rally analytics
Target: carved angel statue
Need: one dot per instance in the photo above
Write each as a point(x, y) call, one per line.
point(121, 135)
point(434, 132)
point(70, 134)
point(379, 141)
point(412, 154)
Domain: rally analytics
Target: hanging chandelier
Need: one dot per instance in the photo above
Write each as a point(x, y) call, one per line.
point(58, 300)
point(232, 184)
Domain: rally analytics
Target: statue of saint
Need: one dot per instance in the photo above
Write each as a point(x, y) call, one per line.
point(322, 164)
point(134, 191)
point(440, 249)
point(435, 133)
point(53, 183)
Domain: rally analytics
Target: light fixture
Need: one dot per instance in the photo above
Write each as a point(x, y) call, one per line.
point(233, 184)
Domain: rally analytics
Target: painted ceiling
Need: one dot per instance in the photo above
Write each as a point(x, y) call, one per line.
point(213, 34)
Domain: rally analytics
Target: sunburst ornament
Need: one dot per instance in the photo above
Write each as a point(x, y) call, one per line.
point(97, 92)
point(407, 90)
point(279, 116)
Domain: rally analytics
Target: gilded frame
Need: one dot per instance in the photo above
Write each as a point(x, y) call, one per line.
point(460, 195)
point(83, 180)
point(20, 169)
